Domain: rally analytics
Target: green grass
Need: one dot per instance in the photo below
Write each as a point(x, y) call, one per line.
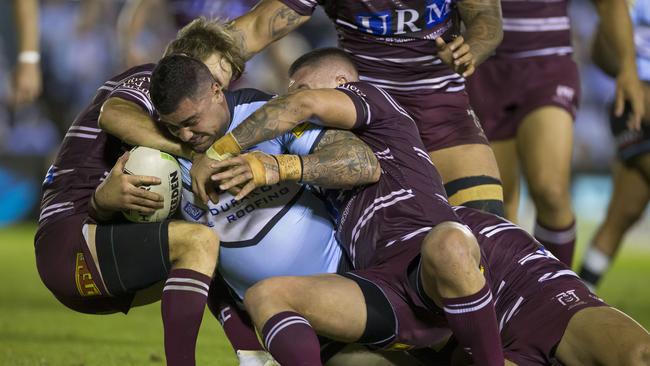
point(36, 330)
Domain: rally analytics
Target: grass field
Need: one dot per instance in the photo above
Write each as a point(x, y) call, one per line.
point(36, 330)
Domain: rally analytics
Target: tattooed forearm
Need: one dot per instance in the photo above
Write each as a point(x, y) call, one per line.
point(282, 22)
point(267, 22)
point(484, 31)
point(276, 117)
point(240, 40)
point(340, 160)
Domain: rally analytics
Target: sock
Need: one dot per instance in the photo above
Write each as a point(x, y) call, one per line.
point(291, 340)
point(183, 303)
point(560, 242)
point(594, 264)
point(474, 323)
point(236, 323)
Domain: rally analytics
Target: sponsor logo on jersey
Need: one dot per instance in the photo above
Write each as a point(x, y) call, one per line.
point(138, 83)
point(300, 129)
point(564, 95)
point(194, 211)
point(403, 21)
point(568, 298)
point(84, 279)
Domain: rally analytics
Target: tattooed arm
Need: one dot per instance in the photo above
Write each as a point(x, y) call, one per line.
point(340, 160)
point(267, 22)
point(328, 107)
point(483, 30)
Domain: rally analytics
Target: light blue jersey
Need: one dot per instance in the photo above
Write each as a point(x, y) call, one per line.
point(277, 230)
point(640, 14)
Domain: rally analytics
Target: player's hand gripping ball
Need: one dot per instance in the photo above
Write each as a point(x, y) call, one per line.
point(152, 162)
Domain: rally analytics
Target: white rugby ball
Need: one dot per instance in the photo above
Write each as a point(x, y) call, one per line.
point(155, 163)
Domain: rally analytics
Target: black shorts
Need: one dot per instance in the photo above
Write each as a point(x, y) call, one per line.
point(131, 257)
point(629, 144)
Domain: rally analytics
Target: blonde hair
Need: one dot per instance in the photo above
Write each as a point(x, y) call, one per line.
point(202, 37)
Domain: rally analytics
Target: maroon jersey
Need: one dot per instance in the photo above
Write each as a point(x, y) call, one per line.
point(535, 28)
point(87, 153)
point(392, 41)
point(409, 197)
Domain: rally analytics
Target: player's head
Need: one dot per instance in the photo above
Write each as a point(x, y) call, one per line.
point(322, 68)
point(213, 43)
point(189, 100)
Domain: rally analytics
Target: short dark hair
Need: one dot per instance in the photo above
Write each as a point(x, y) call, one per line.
point(175, 78)
point(202, 37)
point(315, 57)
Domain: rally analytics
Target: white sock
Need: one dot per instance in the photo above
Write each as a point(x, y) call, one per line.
point(596, 261)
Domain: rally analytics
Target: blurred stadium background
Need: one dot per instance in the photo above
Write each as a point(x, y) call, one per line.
point(83, 43)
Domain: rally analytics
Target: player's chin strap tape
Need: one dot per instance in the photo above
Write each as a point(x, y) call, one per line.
point(131, 256)
point(381, 325)
point(480, 192)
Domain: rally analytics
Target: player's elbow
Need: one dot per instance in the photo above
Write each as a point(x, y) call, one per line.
point(108, 116)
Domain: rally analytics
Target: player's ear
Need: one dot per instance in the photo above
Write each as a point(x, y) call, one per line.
point(340, 80)
point(217, 90)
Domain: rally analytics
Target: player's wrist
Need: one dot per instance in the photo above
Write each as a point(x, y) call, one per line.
point(29, 57)
point(224, 148)
point(289, 167)
point(98, 211)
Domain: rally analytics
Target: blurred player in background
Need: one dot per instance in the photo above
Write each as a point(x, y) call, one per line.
point(526, 97)
point(27, 78)
point(407, 48)
point(631, 176)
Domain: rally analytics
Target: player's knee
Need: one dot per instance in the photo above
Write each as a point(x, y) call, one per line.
point(193, 244)
point(481, 192)
point(550, 195)
point(261, 294)
point(448, 247)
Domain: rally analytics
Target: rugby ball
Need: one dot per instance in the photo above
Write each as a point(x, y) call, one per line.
point(152, 162)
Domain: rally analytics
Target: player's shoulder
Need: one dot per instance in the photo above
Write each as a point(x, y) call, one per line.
point(243, 102)
point(246, 96)
point(144, 70)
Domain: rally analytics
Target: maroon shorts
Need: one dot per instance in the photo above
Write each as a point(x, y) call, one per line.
point(443, 119)
point(67, 269)
point(416, 324)
point(535, 295)
point(504, 90)
point(535, 329)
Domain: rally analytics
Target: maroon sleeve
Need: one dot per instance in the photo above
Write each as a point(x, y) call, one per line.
point(135, 88)
point(302, 7)
point(372, 104)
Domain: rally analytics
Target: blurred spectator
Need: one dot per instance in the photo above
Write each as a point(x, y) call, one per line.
point(27, 78)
